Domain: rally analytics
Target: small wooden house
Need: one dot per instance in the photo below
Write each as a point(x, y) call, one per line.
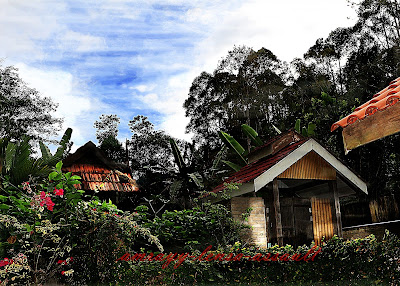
point(101, 175)
point(294, 187)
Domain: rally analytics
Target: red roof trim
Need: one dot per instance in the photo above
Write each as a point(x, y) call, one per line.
point(255, 169)
point(380, 101)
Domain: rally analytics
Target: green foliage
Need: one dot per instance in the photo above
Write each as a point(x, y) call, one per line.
point(18, 164)
point(234, 166)
point(356, 262)
point(240, 152)
point(252, 134)
point(48, 233)
point(233, 145)
point(306, 132)
point(192, 229)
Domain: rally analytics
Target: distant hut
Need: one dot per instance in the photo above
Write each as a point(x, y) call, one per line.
point(101, 175)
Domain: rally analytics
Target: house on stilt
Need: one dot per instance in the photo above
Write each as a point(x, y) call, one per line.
point(102, 176)
point(293, 186)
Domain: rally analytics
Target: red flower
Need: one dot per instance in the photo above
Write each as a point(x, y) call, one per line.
point(60, 261)
point(59, 192)
point(5, 262)
point(48, 202)
point(62, 272)
point(42, 195)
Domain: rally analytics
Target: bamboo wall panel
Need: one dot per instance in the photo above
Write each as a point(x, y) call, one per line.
point(311, 166)
point(323, 224)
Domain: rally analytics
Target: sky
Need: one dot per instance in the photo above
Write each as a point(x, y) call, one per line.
point(131, 57)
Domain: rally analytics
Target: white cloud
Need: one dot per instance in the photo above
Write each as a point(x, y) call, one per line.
point(169, 48)
point(175, 123)
point(24, 22)
point(80, 42)
point(287, 28)
point(74, 104)
point(142, 87)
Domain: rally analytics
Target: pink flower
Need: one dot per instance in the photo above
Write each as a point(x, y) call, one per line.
point(59, 192)
point(42, 195)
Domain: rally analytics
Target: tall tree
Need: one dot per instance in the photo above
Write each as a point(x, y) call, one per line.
point(149, 149)
point(23, 111)
point(245, 88)
point(107, 126)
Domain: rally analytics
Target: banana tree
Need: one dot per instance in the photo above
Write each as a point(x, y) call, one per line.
point(238, 149)
point(18, 164)
point(187, 180)
point(306, 132)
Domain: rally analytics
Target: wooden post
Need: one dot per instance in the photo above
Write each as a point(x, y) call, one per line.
point(277, 207)
point(333, 188)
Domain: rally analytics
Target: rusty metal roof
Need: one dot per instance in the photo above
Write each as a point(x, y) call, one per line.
point(98, 172)
point(380, 101)
point(102, 179)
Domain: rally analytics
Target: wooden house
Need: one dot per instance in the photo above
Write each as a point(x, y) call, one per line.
point(294, 187)
point(101, 175)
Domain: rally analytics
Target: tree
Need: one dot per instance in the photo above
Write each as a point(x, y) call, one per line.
point(114, 149)
point(23, 111)
point(106, 127)
point(246, 88)
point(106, 134)
point(149, 149)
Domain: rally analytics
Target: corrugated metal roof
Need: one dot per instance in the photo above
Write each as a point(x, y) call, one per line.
point(101, 178)
point(380, 101)
point(98, 172)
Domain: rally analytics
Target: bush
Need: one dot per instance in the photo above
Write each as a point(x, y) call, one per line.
point(193, 229)
point(49, 233)
point(356, 262)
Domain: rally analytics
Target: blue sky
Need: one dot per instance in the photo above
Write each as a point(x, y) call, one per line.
point(140, 57)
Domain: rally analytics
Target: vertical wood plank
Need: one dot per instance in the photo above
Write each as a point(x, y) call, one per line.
point(293, 222)
point(333, 188)
point(315, 215)
point(325, 220)
point(278, 217)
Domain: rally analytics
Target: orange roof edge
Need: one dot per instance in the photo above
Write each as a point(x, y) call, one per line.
point(385, 98)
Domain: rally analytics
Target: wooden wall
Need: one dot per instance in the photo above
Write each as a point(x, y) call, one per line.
point(311, 166)
point(323, 223)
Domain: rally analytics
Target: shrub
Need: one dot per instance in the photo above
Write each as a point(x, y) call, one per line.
point(49, 233)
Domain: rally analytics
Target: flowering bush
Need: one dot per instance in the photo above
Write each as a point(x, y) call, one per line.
point(49, 233)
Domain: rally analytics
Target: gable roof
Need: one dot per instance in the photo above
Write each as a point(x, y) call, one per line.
point(98, 172)
point(89, 153)
point(265, 170)
point(384, 99)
